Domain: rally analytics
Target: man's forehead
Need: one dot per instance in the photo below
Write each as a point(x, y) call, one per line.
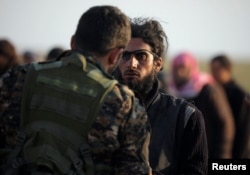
point(137, 44)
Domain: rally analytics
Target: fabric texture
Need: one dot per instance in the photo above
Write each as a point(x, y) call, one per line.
point(117, 137)
point(239, 103)
point(165, 112)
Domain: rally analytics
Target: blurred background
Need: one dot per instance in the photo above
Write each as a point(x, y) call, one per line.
point(205, 28)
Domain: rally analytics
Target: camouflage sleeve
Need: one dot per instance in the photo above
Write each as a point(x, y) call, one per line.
point(119, 137)
point(11, 84)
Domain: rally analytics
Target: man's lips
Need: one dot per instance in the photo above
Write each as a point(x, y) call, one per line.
point(131, 74)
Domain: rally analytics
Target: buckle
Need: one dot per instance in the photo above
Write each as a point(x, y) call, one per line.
point(78, 163)
point(84, 149)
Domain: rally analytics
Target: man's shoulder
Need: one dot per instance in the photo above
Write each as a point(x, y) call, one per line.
point(124, 99)
point(238, 90)
point(18, 71)
point(177, 101)
point(122, 91)
point(13, 79)
point(186, 107)
point(188, 111)
point(11, 85)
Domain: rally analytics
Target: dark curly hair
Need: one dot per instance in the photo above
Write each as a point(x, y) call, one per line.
point(152, 33)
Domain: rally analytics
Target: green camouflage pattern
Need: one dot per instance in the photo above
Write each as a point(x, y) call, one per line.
point(11, 85)
point(118, 136)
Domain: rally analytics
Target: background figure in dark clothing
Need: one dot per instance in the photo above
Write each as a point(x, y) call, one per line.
point(54, 53)
point(29, 57)
point(221, 69)
point(8, 55)
point(188, 82)
point(178, 141)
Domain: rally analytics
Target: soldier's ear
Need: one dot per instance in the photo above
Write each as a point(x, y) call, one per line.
point(115, 55)
point(72, 42)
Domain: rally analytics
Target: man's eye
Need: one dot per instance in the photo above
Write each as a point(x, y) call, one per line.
point(141, 56)
point(126, 56)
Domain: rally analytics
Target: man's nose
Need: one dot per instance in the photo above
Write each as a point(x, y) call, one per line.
point(132, 63)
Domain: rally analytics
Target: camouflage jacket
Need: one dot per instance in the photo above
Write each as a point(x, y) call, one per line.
point(118, 138)
point(11, 85)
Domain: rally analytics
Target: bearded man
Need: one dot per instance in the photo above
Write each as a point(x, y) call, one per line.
point(178, 141)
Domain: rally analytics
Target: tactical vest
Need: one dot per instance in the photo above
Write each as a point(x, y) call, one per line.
point(60, 102)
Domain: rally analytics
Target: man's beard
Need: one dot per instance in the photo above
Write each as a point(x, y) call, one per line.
point(141, 87)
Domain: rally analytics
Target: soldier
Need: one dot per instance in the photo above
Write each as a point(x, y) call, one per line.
point(74, 99)
point(178, 141)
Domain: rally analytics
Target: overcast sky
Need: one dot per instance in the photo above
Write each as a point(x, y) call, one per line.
point(204, 27)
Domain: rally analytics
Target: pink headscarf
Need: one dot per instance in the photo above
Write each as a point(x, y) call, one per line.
point(197, 79)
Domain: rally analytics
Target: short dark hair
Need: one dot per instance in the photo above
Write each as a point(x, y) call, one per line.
point(152, 33)
point(223, 60)
point(102, 28)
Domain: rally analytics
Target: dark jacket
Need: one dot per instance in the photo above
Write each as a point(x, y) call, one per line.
point(236, 96)
point(211, 101)
point(178, 141)
point(240, 106)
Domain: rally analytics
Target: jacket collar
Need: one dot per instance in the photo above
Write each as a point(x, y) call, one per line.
point(151, 96)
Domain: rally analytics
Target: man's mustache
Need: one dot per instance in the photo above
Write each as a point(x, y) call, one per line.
point(131, 72)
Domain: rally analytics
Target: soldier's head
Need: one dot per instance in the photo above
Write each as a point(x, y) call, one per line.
point(102, 31)
point(143, 57)
point(8, 56)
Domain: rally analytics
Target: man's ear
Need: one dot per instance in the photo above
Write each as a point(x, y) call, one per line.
point(158, 64)
point(114, 56)
point(72, 42)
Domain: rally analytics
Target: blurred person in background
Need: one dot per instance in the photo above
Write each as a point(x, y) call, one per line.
point(29, 57)
point(8, 56)
point(188, 82)
point(54, 53)
point(238, 98)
